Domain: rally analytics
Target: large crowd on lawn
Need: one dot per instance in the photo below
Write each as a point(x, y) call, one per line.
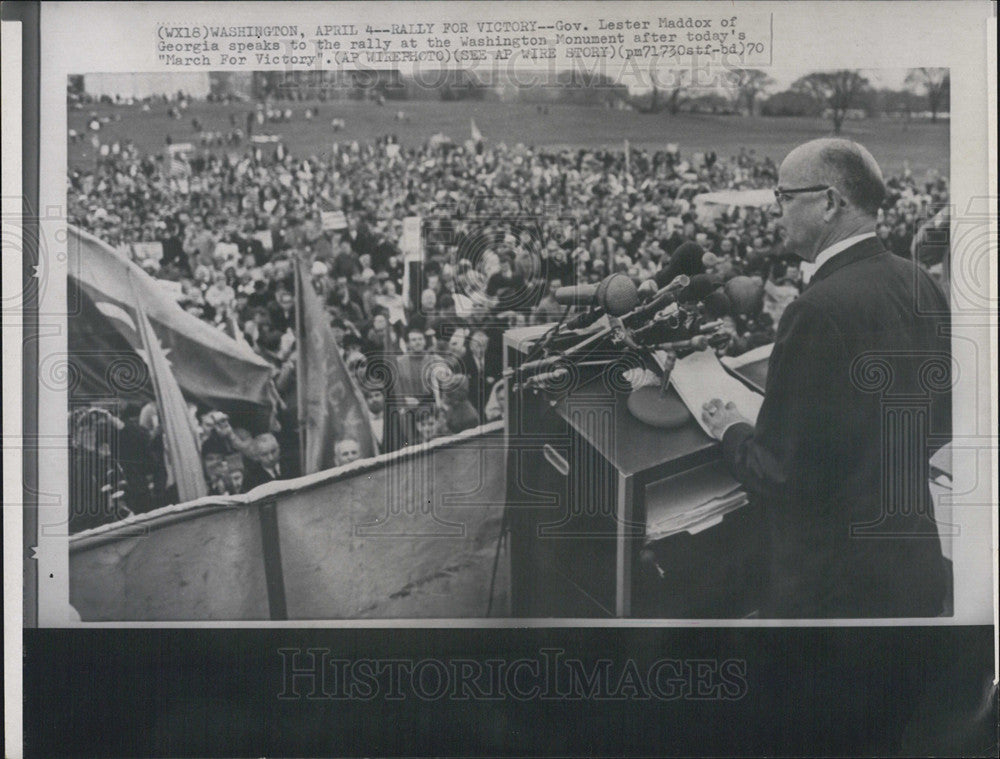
point(501, 228)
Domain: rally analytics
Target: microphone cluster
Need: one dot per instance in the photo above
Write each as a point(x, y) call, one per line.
point(681, 313)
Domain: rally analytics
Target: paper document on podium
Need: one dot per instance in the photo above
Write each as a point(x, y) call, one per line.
point(700, 377)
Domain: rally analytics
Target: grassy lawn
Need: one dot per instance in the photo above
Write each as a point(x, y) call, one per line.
point(924, 146)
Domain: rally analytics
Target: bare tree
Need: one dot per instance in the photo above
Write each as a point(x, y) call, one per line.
point(835, 89)
point(936, 83)
point(748, 84)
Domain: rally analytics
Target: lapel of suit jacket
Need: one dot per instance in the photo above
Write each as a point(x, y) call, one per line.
point(862, 250)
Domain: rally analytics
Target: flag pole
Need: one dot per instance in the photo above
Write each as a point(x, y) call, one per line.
point(300, 346)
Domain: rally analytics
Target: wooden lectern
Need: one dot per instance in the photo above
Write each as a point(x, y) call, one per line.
point(610, 517)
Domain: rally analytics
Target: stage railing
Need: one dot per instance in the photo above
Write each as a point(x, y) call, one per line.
point(402, 535)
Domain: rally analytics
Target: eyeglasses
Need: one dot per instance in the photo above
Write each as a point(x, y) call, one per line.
point(781, 194)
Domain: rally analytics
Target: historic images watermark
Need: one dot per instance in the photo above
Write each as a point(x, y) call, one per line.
point(319, 674)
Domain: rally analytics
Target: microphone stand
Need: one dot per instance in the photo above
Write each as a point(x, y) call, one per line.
point(652, 404)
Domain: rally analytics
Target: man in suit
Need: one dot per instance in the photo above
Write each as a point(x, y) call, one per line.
point(481, 379)
point(411, 384)
point(837, 466)
point(267, 464)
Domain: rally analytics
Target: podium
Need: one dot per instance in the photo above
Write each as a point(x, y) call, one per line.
point(610, 517)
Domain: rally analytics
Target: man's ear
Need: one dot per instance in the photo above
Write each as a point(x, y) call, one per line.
point(834, 202)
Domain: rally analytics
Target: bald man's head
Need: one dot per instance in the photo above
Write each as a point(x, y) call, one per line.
point(266, 449)
point(842, 164)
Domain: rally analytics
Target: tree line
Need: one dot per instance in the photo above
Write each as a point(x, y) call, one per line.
point(836, 94)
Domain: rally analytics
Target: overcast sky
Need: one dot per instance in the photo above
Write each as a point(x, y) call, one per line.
point(878, 78)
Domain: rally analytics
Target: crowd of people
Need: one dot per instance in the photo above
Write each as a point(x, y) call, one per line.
point(502, 227)
point(119, 466)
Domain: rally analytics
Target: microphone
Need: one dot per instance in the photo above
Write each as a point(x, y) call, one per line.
point(580, 321)
point(708, 327)
point(660, 298)
point(576, 295)
point(700, 288)
point(663, 332)
point(685, 260)
point(542, 364)
point(616, 294)
point(658, 331)
point(746, 296)
point(620, 334)
point(718, 304)
point(697, 343)
point(544, 378)
point(691, 289)
point(648, 289)
point(577, 352)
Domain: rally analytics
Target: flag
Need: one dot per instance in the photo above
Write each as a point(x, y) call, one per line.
point(331, 406)
point(179, 437)
point(179, 172)
point(477, 136)
point(209, 366)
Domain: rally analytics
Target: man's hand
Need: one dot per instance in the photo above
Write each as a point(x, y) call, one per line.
point(719, 417)
point(287, 344)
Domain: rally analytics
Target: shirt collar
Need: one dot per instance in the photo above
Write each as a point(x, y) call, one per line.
point(809, 268)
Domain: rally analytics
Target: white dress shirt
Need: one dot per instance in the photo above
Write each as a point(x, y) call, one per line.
point(808, 269)
point(377, 424)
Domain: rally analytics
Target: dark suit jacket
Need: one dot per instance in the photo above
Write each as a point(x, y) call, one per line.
point(254, 474)
point(857, 398)
point(480, 383)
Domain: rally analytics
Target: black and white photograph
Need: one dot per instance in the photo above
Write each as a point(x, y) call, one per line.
point(293, 295)
point(566, 318)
